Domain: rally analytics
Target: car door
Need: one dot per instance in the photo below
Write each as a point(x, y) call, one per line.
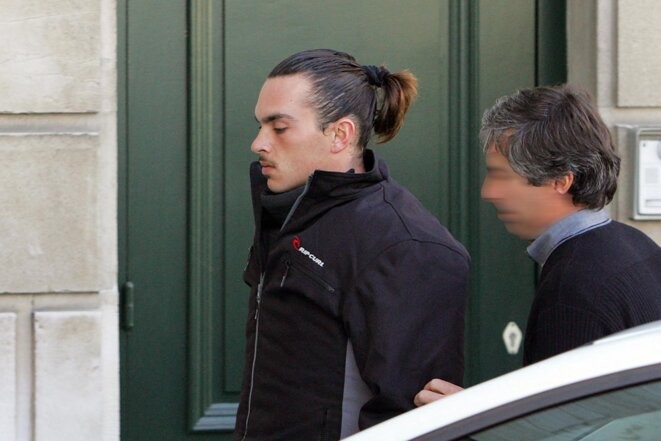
point(620, 406)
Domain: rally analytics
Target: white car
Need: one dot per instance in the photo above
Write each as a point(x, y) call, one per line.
point(607, 390)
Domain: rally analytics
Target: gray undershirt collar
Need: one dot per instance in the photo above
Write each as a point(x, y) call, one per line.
point(573, 225)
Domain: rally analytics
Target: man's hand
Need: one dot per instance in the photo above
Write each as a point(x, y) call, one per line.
point(435, 390)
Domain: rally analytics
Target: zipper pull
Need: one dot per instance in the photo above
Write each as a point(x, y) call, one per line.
point(284, 276)
point(259, 295)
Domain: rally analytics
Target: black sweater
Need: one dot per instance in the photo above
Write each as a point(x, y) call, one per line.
point(597, 283)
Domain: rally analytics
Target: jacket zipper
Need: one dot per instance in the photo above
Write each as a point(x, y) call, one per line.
point(296, 203)
point(312, 276)
point(284, 276)
point(254, 353)
point(256, 317)
point(315, 278)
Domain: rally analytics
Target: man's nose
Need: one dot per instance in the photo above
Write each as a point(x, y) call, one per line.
point(487, 191)
point(260, 143)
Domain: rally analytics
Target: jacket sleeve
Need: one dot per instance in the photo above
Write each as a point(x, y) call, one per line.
point(405, 319)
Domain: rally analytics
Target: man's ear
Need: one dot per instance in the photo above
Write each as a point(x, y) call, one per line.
point(344, 133)
point(563, 183)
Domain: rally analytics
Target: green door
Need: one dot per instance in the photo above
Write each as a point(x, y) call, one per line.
point(189, 77)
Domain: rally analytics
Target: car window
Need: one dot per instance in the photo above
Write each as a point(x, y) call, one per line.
point(626, 414)
point(621, 406)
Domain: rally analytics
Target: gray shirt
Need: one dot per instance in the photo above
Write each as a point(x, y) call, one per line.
point(573, 225)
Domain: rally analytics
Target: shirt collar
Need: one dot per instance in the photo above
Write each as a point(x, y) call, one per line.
point(563, 230)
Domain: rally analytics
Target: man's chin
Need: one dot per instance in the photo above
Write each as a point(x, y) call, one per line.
point(517, 230)
point(273, 188)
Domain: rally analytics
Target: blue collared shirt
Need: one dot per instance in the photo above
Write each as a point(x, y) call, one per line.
point(563, 230)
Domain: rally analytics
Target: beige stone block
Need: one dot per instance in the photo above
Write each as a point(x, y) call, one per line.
point(8, 376)
point(638, 55)
point(50, 57)
point(68, 378)
point(49, 238)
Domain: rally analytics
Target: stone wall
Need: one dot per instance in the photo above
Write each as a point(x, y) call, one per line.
point(58, 246)
point(613, 50)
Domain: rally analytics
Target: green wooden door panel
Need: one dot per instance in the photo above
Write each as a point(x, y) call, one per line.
point(503, 282)
point(551, 42)
point(154, 233)
point(518, 44)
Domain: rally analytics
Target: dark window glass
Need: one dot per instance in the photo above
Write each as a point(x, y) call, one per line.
point(632, 413)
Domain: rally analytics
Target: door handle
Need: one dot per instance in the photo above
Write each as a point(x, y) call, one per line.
point(128, 306)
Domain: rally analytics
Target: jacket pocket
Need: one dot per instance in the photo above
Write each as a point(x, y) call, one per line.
point(297, 278)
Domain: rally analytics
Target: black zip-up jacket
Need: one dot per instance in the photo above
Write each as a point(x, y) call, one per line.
point(360, 279)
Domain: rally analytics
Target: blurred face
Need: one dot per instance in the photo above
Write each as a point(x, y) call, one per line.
point(290, 144)
point(525, 210)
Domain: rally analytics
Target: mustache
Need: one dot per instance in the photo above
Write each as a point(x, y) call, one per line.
point(265, 162)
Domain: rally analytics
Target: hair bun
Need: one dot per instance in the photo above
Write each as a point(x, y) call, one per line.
point(375, 74)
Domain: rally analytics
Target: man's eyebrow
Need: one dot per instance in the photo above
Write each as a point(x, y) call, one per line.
point(274, 117)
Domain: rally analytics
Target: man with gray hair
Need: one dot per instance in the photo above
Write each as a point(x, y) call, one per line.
point(551, 169)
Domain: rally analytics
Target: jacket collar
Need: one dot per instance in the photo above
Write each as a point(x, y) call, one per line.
point(323, 190)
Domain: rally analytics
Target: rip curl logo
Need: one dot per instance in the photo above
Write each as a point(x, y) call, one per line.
point(296, 243)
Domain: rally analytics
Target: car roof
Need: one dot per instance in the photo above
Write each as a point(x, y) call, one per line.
point(634, 348)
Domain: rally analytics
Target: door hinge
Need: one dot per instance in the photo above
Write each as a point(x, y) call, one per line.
point(127, 304)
